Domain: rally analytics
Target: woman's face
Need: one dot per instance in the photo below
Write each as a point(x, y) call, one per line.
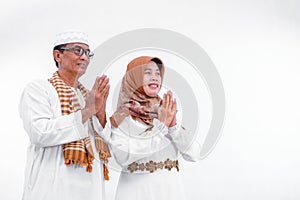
point(152, 79)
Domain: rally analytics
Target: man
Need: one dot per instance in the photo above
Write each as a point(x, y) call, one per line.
point(68, 154)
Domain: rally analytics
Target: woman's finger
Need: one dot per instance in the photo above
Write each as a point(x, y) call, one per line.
point(174, 106)
point(167, 101)
point(170, 99)
point(164, 101)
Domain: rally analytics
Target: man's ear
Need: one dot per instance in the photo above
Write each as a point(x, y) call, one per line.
point(57, 55)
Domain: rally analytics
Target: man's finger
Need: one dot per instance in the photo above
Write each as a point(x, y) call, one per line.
point(103, 84)
point(95, 86)
point(106, 91)
point(101, 79)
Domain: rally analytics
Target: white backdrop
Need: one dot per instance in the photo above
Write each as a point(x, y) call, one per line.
point(254, 45)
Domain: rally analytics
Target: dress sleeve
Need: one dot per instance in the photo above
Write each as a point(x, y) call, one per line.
point(186, 143)
point(131, 141)
point(40, 120)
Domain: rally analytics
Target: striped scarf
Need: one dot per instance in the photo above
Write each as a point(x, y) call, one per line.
point(79, 152)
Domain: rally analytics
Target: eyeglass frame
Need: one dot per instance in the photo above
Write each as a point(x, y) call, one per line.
point(89, 54)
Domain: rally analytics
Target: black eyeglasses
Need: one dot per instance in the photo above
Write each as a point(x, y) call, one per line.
point(79, 51)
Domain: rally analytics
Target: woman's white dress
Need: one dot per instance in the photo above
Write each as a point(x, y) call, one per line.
point(132, 143)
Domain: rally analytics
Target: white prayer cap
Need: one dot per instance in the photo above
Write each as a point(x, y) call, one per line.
point(71, 36)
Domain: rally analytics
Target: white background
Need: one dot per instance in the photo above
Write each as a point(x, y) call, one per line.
point(255, 46)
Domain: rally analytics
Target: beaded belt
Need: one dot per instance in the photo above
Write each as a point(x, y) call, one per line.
point(153, 166)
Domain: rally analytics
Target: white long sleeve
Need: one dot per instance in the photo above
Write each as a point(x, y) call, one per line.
point(131, 142)
point(44, 128)
point(185, 142)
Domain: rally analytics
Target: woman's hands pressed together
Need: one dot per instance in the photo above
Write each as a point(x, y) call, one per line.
point(168, 109)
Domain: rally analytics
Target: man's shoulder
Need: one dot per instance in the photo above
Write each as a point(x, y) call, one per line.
point(38, 84)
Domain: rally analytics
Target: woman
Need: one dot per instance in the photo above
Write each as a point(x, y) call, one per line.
point(146, 139)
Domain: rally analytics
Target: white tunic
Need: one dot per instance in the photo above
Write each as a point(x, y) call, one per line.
point(130, 142)
point(46, 175)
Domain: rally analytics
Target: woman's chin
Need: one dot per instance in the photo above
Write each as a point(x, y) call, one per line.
point(152, 94)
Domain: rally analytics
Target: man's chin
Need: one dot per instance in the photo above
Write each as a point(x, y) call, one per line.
point(81, 72)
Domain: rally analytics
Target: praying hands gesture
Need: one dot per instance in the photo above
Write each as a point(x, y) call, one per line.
point(96, 100)
point(167, 110)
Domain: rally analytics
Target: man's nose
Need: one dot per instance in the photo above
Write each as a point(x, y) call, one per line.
point(84, 57)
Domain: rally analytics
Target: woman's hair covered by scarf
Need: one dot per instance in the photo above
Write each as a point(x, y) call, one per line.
point(132, 99)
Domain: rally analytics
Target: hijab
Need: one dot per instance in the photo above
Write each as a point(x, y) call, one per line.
point(133, 101)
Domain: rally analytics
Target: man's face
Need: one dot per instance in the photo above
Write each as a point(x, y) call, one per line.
point(71, 63)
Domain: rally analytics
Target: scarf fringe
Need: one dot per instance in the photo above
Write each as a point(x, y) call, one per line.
point(88, 166)
point(106, 177)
